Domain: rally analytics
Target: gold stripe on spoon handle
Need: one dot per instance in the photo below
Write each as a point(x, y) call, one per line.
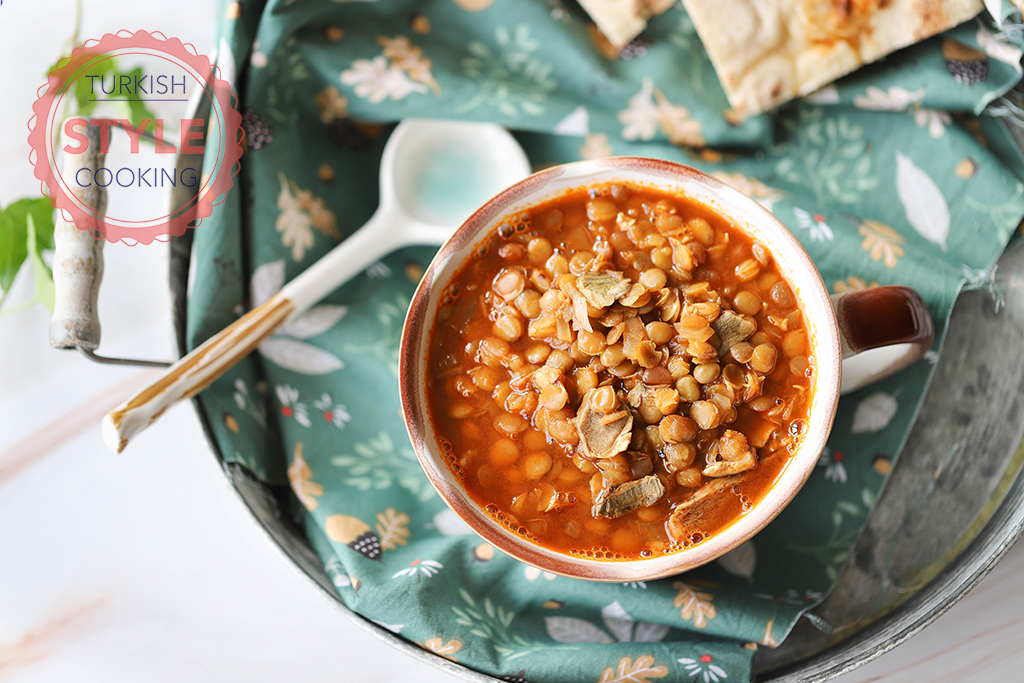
point(195, 371)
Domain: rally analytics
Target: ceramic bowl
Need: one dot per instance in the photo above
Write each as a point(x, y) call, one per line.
point(746, 214)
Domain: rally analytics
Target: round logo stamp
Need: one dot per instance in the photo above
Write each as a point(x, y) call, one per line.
point(97, 132)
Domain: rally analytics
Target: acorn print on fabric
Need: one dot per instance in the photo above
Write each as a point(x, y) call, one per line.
point(483, 552)
point(635, 48)
point(355, 534)
point(967, 64)
point(419, 23)
point(966, 168)
point(882, 464)
point(258, 133)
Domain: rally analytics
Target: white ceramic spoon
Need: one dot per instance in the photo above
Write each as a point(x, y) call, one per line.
point(432, 176)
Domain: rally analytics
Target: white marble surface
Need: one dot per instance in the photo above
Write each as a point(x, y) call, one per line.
point(145, 566)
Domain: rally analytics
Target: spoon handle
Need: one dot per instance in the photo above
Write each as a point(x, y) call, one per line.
point(385, 232)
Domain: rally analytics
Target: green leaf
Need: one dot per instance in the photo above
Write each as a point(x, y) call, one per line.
point(13, 249)
point(14, 237)
point(45, 293)
point(137, 111)
point(42, 215)
point(86, 89)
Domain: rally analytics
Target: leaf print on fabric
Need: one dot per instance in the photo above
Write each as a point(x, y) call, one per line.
point(265, 282)
point(696, 607)
point(740, 561)
point(283, 348)
point(335, 569)
point(852, 284)
point(832, 462)
point(301, 212)
point(752, 187)
point(294, 224)
point(439, 647)
point(922, 201)
point(378, 464)
point(880, 241)
point(378, 270)
point(572, 630)
point(620, 627)
point(650, 111)
point(934, 120)
point(996, 47)
point(893, 99)
point(827, 155)
point(331, 104)
point(847, 518)
point(985, 279)
point(576, 123)
point(299, 356)
point(596, 146)
point(409, 58)
point(391, 315)
point(828, 94)
point(245, 402)
point(316, 320)
point(392, 528)
point(377, 80)
point(300, 476)
point(629, 671)
point(493, 623)
point(394, 628)
point(815, 224)
point(618, 622)
point(291, 407)
point(514, 79)
point(448, 523)
point(874, 413)
point(769, 640)
point(703, 668)
point(334, 413)
point(532, 574)
point(419, 569)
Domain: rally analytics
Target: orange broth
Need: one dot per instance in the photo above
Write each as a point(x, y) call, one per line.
point(535, 407)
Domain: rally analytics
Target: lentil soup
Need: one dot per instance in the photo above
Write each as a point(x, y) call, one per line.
point(618, 373)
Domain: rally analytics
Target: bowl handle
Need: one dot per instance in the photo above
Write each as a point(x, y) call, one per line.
point(882, 330)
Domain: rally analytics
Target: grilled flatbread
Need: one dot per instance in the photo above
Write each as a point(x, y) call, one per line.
point(622, 20)
point(769, 51)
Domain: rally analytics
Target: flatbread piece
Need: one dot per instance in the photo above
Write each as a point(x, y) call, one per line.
point(769, 51)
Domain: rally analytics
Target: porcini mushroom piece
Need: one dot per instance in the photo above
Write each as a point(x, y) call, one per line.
point(601, 289)
point(732, 329)
point(734, 453)
point(600, 437)
point(726, 468)
point(694, 513)
point(619, 500)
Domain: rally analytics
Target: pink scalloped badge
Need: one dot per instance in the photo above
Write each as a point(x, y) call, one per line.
point(191, 159)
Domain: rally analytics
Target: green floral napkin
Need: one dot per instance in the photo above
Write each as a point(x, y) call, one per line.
point(888, 176)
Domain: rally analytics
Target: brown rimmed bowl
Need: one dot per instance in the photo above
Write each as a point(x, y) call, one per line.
point(745, 214)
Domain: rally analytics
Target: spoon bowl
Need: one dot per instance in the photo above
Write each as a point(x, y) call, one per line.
point(433, 175)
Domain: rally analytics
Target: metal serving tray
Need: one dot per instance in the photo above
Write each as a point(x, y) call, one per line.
point(952, 506)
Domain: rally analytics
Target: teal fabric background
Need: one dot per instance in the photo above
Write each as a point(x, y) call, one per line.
point(886, 177)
